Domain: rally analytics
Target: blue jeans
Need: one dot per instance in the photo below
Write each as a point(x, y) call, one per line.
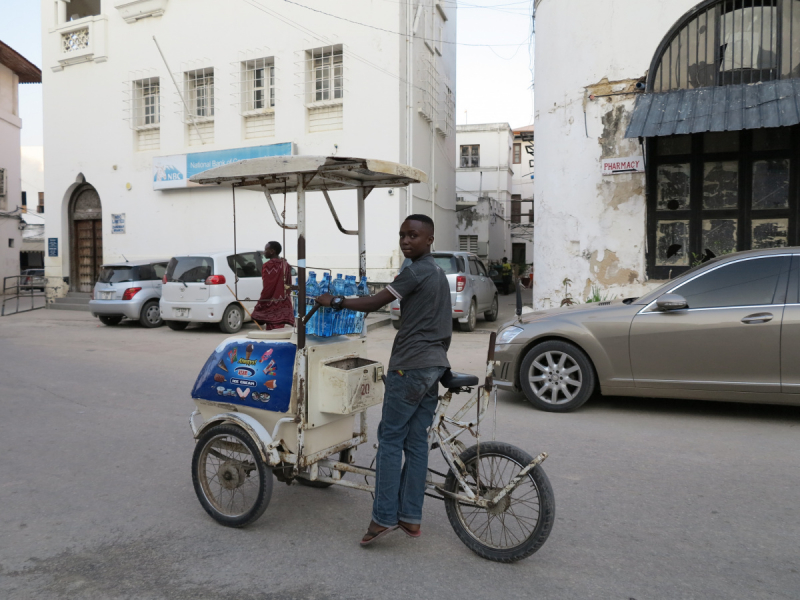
point(408, 408)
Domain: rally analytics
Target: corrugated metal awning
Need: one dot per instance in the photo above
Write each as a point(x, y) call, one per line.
point(724, 108)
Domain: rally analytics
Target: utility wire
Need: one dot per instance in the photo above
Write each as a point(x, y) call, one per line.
point(432, 41)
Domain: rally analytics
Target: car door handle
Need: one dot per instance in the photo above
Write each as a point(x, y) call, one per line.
point(757, 318)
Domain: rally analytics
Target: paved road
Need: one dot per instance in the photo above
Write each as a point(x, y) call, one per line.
point(655, 499)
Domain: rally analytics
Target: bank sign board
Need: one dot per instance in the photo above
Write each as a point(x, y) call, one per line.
point(615, 166)
point(170, 172)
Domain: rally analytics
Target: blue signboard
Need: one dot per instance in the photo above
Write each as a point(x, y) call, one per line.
point(174, 171)
point(52, 246)
point(249, 372)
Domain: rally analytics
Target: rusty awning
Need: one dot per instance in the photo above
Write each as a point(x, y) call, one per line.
point(723, 108)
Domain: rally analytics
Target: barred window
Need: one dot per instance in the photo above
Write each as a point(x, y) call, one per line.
point(199, 86)
point(328, 74)
point(147, 100)
point(257, 84)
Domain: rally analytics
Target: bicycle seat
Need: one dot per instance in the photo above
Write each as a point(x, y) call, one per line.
point(453, 381)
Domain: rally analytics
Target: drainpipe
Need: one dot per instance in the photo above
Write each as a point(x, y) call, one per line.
point(409, 100)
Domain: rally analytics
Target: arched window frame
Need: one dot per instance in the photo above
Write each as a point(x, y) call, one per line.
point(787, 34)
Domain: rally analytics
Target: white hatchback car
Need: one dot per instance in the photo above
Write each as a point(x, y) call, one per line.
point(196, 289)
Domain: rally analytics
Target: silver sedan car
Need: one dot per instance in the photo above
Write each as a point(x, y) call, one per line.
point(727, 330)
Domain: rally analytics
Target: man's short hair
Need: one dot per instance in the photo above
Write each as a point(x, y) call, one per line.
point(421, 219)
point(276, 246)
point(505, 258)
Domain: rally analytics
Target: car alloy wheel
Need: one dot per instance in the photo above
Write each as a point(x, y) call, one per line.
point(555, 377)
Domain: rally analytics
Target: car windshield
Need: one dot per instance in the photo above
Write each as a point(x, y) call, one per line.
point(116, 274)
point(189, 269)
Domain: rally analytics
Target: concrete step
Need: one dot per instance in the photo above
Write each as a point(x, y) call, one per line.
point(77, 301)
point(69, 300)
point(86, 295)
point(63, 306)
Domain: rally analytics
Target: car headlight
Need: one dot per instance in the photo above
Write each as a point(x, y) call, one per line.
point(508, 334)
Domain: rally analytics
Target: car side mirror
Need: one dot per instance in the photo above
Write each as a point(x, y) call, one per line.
point(669, 302)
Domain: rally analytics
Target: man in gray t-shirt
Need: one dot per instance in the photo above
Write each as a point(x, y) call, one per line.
point(418, 361)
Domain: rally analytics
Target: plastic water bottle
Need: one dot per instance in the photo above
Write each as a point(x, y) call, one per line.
point(338, 289)
point(312, 291)
point(363, 288)
point(324, 316)
point(350, 290)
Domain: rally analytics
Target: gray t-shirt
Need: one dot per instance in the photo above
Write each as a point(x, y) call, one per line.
point(426, 316)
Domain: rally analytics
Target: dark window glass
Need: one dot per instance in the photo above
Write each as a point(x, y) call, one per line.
point(246, 265)
point(118, 274)
point(771, 183)
point(744, 283)
point(673, 187)
point(721, 184)
point(779, 138)
point(675, 144)
point(481, 268)
point(473, 267)
point(726, 141)
point(189, 269)
point(146, 273)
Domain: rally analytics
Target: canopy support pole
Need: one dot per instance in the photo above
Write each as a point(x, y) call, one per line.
point(362, 235)
point(275, 214)
point(301, 262)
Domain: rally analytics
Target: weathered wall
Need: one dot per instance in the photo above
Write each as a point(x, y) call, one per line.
point(10, 125)
point(589, 227)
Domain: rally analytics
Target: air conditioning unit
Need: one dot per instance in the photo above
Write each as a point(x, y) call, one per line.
point(3, 183)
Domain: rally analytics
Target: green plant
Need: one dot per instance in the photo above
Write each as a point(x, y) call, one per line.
point(568, 300)
point(596, 296)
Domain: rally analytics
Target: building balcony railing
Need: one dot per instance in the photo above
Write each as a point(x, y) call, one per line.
point(79, 41)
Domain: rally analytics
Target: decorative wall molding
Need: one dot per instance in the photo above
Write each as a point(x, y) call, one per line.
point(136, 10)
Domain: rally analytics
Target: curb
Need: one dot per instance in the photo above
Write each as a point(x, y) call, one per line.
point(383, 322)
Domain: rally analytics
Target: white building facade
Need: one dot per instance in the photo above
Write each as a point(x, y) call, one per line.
point(124, 131)
point(520, 227)
point(660, 140)
point(14, 70)
point(483, 189)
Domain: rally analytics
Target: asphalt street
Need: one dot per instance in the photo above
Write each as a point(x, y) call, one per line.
point(654, 499)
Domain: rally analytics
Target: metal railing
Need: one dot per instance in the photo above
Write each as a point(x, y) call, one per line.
point(23, 286)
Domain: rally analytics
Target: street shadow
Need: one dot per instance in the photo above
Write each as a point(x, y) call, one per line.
point(667, 406)
point(701, 408)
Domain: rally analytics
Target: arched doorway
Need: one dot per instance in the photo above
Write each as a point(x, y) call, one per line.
point(86, 238)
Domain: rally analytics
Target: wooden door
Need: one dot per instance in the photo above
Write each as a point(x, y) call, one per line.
point(90, 252)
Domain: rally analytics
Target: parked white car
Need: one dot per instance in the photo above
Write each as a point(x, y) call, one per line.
point(196, 290)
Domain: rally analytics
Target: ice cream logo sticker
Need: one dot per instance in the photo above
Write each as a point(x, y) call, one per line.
point(245, 371)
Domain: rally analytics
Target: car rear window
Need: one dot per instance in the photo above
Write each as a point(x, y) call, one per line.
point(447, 263)
point(118, 274)
point(189, 269)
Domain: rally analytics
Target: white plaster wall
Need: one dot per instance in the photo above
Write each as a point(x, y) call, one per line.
point(10, 125)
point(86, 131)
point(579, 233)
point(491, 180)
point(32, 173)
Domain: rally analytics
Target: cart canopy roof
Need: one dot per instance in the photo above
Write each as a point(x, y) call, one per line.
point(319, 172)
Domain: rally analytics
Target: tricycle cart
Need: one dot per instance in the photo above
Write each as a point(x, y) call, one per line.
point(294, 406)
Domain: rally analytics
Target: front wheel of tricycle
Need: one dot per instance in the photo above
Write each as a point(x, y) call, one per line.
point(520, 523)
point(230, 479)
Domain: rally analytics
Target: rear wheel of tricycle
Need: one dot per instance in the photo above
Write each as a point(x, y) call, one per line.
point(520, 523)
point(230, 479)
